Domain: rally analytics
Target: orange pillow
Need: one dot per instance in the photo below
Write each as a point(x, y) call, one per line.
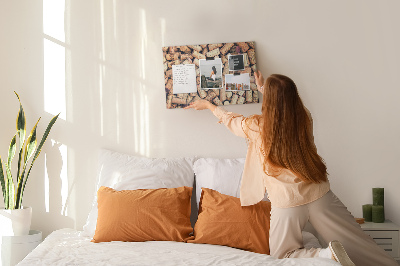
point(223, 221)
point(143, 215)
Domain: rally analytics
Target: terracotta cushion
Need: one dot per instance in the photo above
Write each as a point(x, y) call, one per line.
point(223, 221)
point(143, 215)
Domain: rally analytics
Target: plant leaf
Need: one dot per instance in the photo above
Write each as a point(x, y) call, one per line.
point(10, 182)
point(46, 133)
point(11, 151)
point(30, 144)
point(21, 122)
point(20, 191)
point(3, 184)
point(29, 150)
point(11, 192)
point(21, 130)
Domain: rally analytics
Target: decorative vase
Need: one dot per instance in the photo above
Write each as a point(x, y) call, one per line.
point(15, 222)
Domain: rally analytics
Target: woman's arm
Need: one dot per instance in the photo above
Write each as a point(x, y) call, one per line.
point(204, 104)
point(201, 105)
point(234, 122)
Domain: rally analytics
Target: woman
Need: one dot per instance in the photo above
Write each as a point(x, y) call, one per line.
point(282, 159)
point(213, 73)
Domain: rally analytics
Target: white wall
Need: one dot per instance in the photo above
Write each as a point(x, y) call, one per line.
point(100, 64)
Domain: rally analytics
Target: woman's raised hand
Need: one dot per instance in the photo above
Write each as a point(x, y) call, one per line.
point(259, 81)
point(201, 105)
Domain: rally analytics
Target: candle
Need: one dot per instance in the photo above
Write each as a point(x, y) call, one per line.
point(378, 196)
point(367, 212)
point(378, 214)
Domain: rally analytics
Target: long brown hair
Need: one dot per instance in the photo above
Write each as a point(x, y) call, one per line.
point(287, 131)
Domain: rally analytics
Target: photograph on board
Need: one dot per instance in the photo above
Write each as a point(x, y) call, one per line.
point(236, 62)
point(237, 82)
point(210, 73)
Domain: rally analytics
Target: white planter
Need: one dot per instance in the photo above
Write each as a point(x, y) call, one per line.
point(15, 222)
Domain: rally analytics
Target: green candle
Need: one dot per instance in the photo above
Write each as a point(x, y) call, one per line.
point(367, 212)
point(378, 196)
point(378, 214)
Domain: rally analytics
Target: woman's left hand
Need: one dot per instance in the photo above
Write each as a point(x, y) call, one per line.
point(259, 81)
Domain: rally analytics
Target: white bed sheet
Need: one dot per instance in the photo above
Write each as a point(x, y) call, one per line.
point(70, 247)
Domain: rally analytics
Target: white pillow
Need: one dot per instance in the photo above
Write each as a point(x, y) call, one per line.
point(126, 172)
point(222, 175)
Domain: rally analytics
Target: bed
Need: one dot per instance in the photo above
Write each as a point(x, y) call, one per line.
point(145, 210)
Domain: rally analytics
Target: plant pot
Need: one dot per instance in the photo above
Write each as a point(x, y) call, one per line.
point(15, 222)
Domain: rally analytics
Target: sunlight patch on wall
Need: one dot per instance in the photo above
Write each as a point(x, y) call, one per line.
point(102, 57)
point(135, 121)
point(46, 187)
point(54, 78)
point(68, 64)
point(54, 57)
point(56, 178)
point(141, 122)
point(53, 19)
point(64, 179)
point(101, 75)
point(117, 112)
point(145, 145)
point(103, 45)
point(163, 31)
point(143, 34)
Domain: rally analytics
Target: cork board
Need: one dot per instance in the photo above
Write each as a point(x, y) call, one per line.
point(222, 73)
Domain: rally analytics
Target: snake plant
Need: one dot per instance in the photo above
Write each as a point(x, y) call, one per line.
point(27, 149)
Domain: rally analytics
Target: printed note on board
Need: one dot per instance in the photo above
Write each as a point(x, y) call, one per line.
point(184, 78)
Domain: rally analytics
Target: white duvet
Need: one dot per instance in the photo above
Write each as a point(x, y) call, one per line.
point(70, 247)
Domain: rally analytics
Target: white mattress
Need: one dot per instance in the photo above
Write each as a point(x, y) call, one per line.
point(69, 247)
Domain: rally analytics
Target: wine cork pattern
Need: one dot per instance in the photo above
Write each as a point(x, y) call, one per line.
point(191, 54)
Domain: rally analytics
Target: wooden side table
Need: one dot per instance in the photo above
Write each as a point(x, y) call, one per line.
point(386, 235)
point(15, 248)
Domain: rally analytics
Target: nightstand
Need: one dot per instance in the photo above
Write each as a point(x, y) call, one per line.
point(386, 235)
point(15, 248)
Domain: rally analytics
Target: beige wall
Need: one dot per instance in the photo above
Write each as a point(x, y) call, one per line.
point(100, 64)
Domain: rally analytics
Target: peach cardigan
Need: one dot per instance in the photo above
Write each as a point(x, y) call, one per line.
point(284, 188)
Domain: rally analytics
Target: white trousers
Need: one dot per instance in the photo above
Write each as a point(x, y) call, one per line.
point(333, 221)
